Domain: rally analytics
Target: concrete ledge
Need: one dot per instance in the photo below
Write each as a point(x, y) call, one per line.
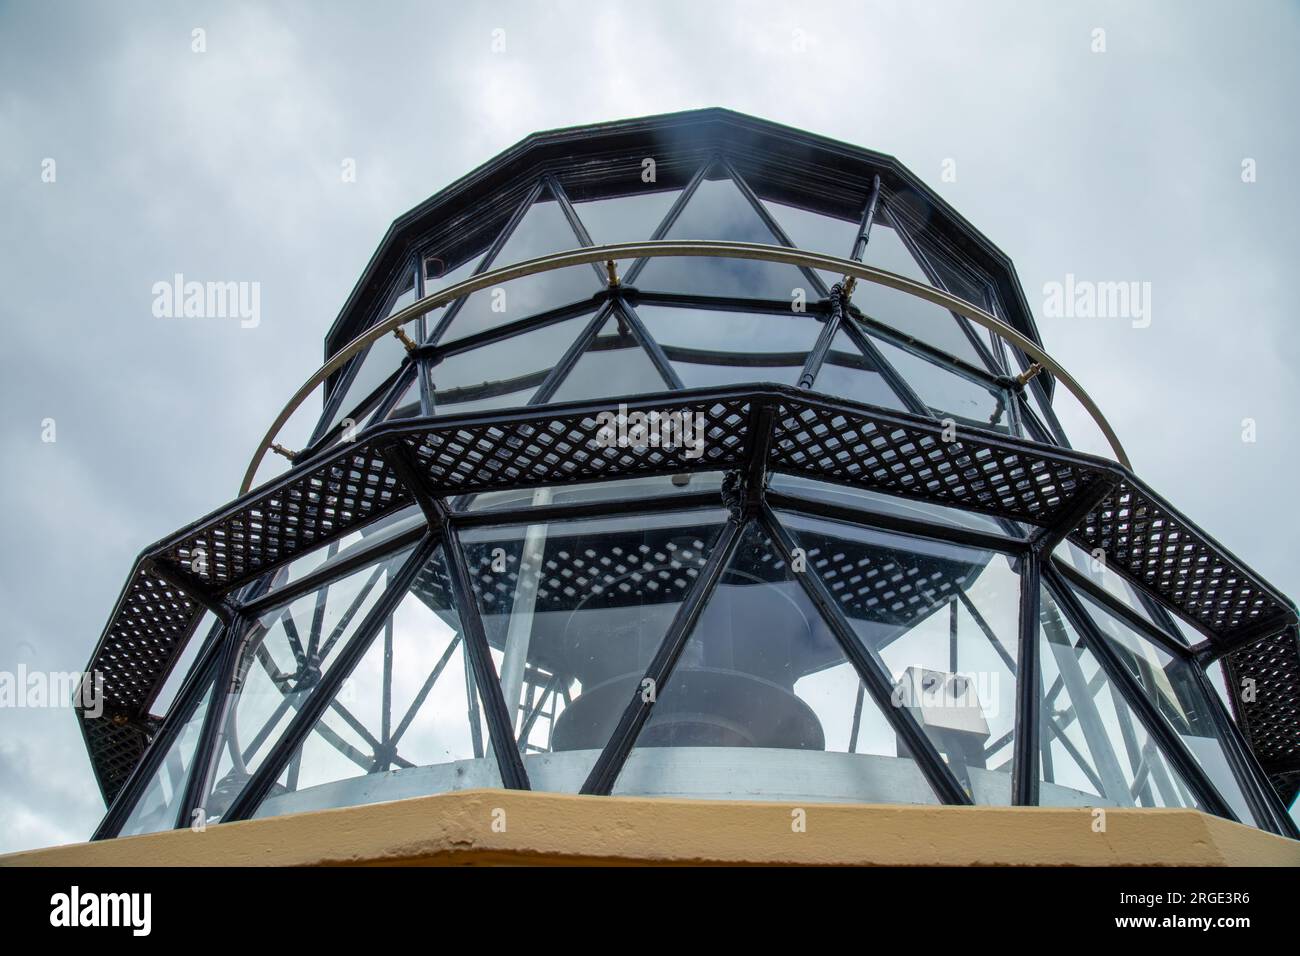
point(546, 828)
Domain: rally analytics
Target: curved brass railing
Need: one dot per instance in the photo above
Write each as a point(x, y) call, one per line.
point(651, 249)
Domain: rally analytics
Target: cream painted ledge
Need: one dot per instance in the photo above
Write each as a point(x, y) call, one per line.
point(544, 828)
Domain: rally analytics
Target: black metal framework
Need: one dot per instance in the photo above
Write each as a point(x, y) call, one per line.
point(415, 457)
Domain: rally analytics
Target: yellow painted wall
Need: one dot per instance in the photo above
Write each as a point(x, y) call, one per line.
point(494, 826)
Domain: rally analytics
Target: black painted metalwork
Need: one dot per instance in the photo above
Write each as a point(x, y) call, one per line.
point(227, 561)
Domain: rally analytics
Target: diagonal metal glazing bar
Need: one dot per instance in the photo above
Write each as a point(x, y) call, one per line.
point(349, 655)
point(1024, 765)
point(1259, 793)
point(871, 670)
point(500, 725)
point(1171, 745)
point(609, 764)
point(198, 682)
point(699, 248)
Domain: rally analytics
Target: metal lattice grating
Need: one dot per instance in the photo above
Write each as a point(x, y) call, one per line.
point(633, 568)
point(150, 623)
point(1270, 721)
point(566, 449)
point(913, 461)
point(1141, 535)
point(345, 488)
point(116, 746)
point(317, 506)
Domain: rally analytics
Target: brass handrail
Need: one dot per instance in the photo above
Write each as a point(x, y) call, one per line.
point(651, 249)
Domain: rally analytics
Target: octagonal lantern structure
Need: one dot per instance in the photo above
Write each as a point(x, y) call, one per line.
point(692, 456)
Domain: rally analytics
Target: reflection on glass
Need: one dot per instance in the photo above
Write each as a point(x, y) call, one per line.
point(158, 805)
point(1093, 749)
point(944, 620)
point(406, 722)
point(947, 393)
point(764, 704)
point(816, 233)
point(1096, 570)
point(543, 230)
point(799, 486)
point(578, 609)
point(614, 364)
point(162, 702)
point(285, 653)
point(1170, 685)
point(630, 218)
point(847, 373)
point(719, 210)
point(502, 374)
point(625, 489)
point(379, 364)
point(713, 347)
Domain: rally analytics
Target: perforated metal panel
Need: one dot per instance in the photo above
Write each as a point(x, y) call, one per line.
point(348, 487)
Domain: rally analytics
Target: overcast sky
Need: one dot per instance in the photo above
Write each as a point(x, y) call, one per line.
point(1117, 165)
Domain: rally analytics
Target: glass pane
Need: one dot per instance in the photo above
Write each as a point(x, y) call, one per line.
point(336, 552)
point(1093, 750)
point(719, 210)
point(407, 404)
point(813, 231)
point(625, 218)
point(379, 364)
point(502, 374)
point(285, 653)
point(158, 805)
point(1096, 570)
point(543, 230)
point(944, 619)
point(163, 701)
point(640, 489)
point(947, 393)
point(874, 501)
point(1170, 684)
point(578, 609)
point(614, 364)
point(847, 373)
point(886, 250)
point(713, 347)
point(407, 722)
point(763, 704)
point(816, 233)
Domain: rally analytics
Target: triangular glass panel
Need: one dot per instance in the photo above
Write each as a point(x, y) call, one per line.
point(719, 210)
point(718, 347)
point(577, 609)
point(378, 367)
point(630, 218)
point(887, 250)
point(1093, 748)
point(502, 374)
point(406, 404)
point(816, 233)
point(614, 364)
point(763, 704)
point(543, 230)
point(944, 621)
point(947, 392)
point(847, 373)
point(157, 806)
point(1171, 686)
point(406, 722)
point(285, 653)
